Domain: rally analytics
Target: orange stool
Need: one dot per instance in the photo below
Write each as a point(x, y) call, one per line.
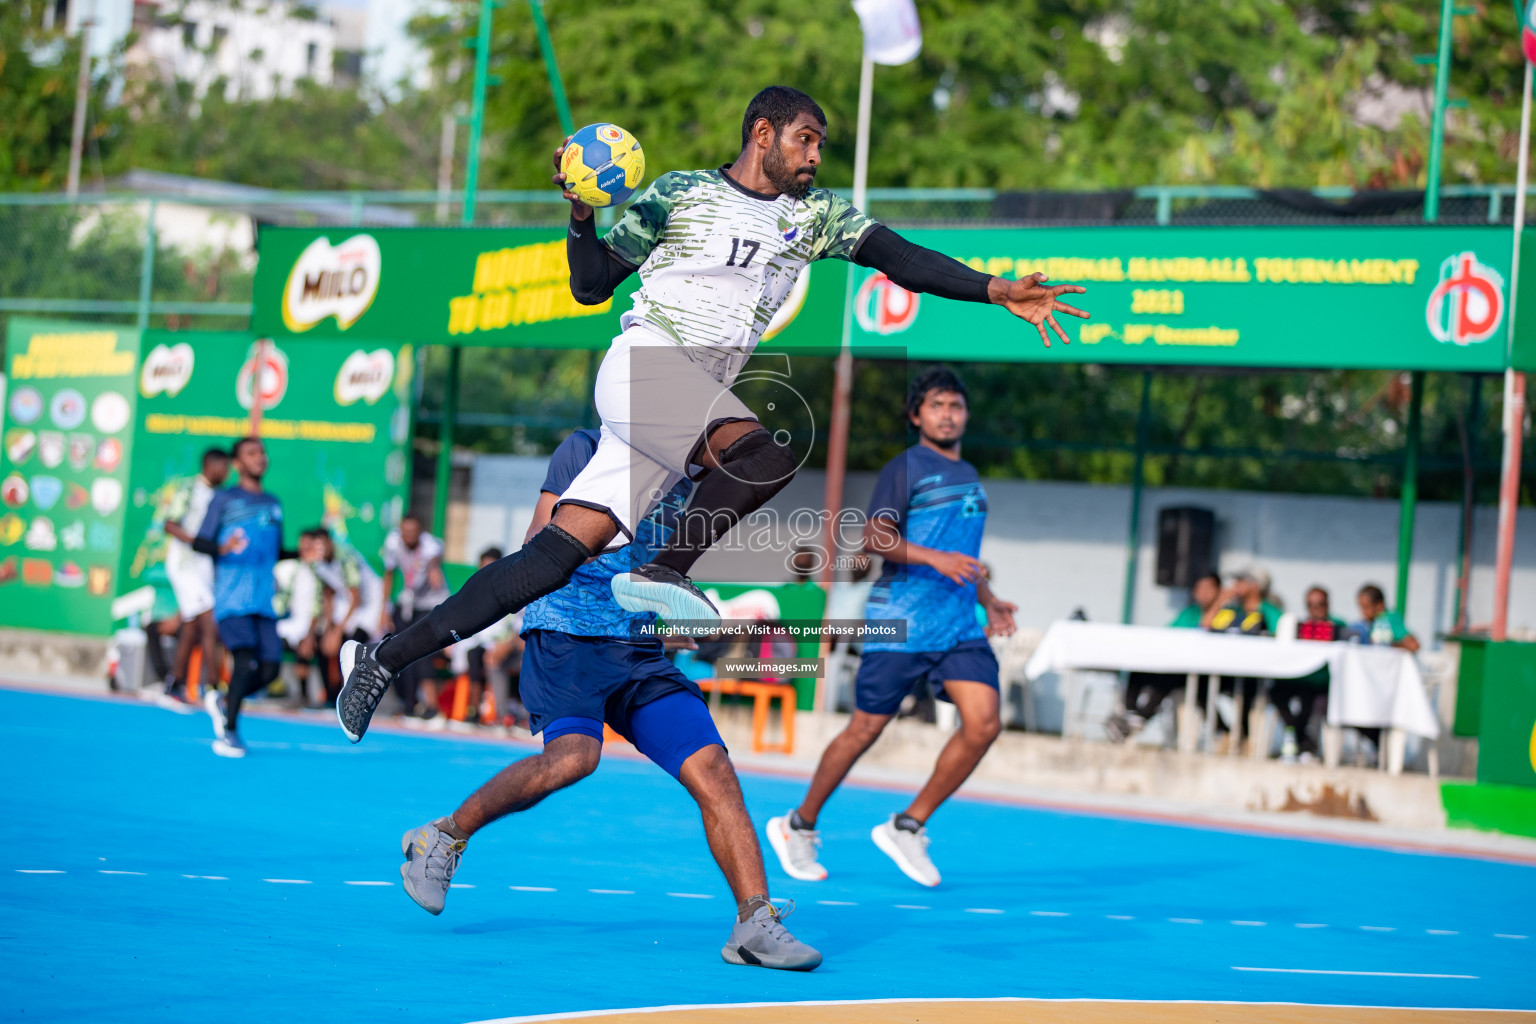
point(195, 674)
point(762, 695)
point(460, 697)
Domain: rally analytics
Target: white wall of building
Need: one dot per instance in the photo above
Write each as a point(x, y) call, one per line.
point(1055, 547)
point(391, 55)
point(260, 50)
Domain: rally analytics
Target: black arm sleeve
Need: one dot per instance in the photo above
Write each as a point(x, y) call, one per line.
point(917, 269)
point(595, 270)
point(206, 546)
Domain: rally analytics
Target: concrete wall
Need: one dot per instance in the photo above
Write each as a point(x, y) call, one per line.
point(1056, 547)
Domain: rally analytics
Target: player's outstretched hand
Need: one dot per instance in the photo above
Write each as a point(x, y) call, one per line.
point(579, 209)
point(953, 565)
point(235, 543)
point(1030, 298)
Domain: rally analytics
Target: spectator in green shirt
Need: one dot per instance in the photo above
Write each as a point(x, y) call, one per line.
point(1204, 600)
point(1379, 626)
point(1244, 607)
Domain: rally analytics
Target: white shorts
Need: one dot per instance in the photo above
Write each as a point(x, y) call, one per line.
point(191, 579)
point(657, 401)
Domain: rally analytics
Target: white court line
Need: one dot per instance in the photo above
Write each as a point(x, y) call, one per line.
point(1120, 917)
point(981, 910)
point(531, 888)
point(1500, 935)
point(104, 871)
point(1376, 928)
point(1049, 913)
point(1311, 926)
point(208, 878)
point(1440, 931)
point(613, 892)
point(911, 906)
point(1358, 974)
point(1186, 920)
point(459, 885)
point(1250, 924)
point(288, 881)
point(691, 895)
point(38, 871)
point(368, 883)
point(835, 903)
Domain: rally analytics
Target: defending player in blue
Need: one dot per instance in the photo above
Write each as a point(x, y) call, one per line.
point(926, 519)
point(242, 532)
point(588, 662)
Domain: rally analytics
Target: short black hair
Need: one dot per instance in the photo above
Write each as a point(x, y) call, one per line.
point(1373, 592)
point(935, 378)
point(316, 533)
point(234, 449)
point(1213, 576)
point(215, 455)
point(780, 105)
point(495, 554)
point(414, 517)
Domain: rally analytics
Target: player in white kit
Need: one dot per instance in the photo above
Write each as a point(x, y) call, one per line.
point(191, 574)
point(717, 252)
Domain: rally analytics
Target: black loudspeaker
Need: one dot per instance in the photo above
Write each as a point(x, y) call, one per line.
point(1186, 540)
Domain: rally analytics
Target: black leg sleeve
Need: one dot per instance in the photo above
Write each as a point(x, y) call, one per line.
point(244, 680)
point(540, 567)
point(752, 470)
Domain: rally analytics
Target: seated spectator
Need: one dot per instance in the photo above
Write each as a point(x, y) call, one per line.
point(1145, 692)
point(356, 603)
point(1245, 609)
point(1244, 606)
point(1379, 626)
point(1304, 692)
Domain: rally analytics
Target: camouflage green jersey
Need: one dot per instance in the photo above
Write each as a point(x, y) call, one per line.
point(717, 260)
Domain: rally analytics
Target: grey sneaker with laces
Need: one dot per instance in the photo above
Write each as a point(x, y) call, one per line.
point(431, 858)
point(908, 849)
point(763, 941)
point(364, 683)
point(796, 848)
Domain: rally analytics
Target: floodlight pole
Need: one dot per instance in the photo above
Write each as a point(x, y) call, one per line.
point(82, 97)
point(1437, 128)
point(552, 69)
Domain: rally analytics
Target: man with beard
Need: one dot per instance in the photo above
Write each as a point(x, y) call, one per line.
point(926, 518)
point(718, 252)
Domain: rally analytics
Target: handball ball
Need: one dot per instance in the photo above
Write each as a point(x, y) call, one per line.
point(603, 164)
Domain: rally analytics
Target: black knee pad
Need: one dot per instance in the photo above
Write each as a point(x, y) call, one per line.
point(760, 463)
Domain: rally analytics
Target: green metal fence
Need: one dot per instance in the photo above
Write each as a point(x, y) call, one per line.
point(186, 258)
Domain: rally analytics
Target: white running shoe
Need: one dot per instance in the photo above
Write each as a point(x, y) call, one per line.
point(229, 745)
point(796, 848)
point(908, 849)
point(214, 705)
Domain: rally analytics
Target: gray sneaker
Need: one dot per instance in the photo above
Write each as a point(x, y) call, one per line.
point(763, 941)
point(655, 588)
point(431, 858)
point(908, 849)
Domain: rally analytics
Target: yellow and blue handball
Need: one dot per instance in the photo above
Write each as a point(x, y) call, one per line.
point(603, 164)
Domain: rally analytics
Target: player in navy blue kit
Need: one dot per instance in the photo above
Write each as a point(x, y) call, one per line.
point(926, 519)
point(243, 532)
point(590, 662)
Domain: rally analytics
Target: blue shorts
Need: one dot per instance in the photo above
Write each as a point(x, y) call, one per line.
point(579, 683)
point(252, 632)
point(885, 677)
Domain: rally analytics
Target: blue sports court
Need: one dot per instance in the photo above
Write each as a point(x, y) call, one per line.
point(147, 880)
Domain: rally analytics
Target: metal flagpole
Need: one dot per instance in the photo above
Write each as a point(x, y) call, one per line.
point(842, 388)
point(1514, 391)
point(551, 69)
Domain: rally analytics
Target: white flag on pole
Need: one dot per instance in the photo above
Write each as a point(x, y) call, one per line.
point(892, 34)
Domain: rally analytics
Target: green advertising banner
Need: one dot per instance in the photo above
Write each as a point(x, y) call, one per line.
point(1427, 298)
point(1421, 298)
point(462, 286)
point(64, 472)
point(334, 419)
